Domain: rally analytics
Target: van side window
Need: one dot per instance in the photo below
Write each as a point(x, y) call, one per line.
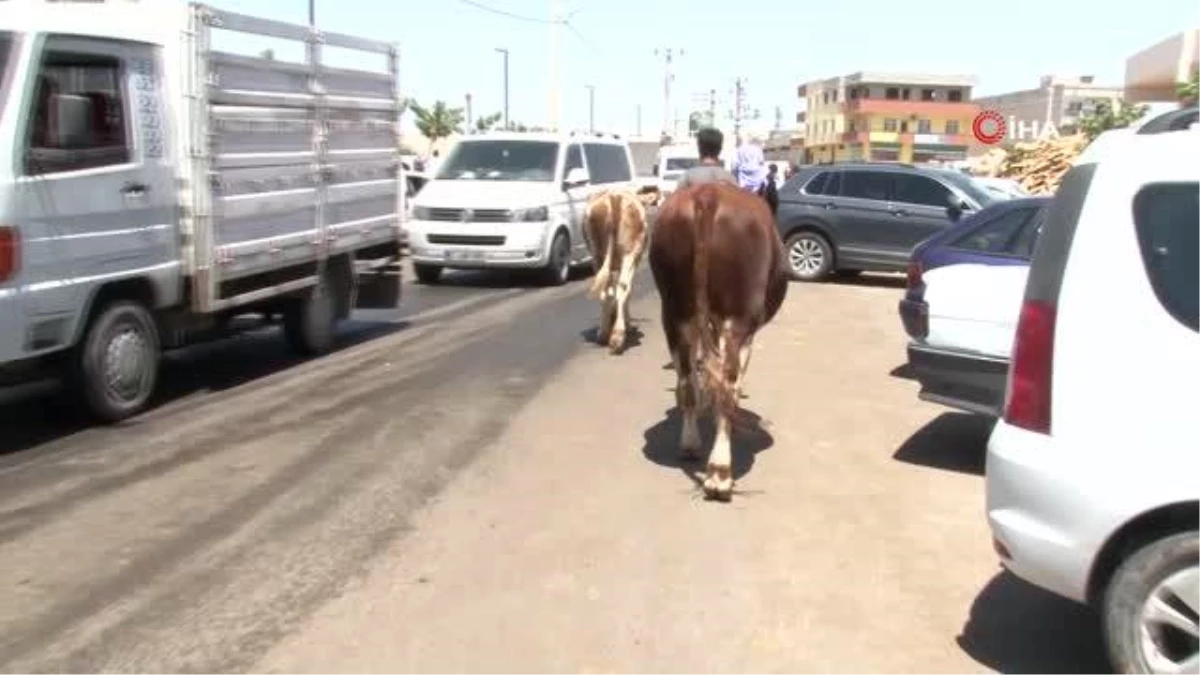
point(1167, 221)
point(574, 160)
point(77, 116)
point(607, 163)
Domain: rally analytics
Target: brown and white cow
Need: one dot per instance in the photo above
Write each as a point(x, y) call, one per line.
point(718, 262)
point(616, 229)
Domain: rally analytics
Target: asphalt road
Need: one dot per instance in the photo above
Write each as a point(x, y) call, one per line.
point(194, 536)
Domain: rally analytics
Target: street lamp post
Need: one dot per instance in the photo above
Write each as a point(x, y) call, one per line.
point(312, 12)
point(591, 108)
point(504, 51)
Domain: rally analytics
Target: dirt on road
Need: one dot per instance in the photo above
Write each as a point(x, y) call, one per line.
point(856, 539)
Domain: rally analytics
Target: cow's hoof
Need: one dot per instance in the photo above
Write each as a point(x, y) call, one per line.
point(718, 484)
point(616, 342)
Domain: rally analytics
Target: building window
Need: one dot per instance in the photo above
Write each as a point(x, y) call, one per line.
point(850, 126)
point(955, 95)
point(905, 94)
point(952, 127)
point(890, 124)
point(904, 126)
point(853, 93)
point(924, 127)
point(1074, 107)
point(892, 94)
point(927, 95)
point(865, 92)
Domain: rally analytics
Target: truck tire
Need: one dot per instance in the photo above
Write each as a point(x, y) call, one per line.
point(115, 368)
point(310, 323)
point(558, 268)
point(427, 274)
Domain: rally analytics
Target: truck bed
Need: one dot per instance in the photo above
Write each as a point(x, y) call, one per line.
point(291, 162)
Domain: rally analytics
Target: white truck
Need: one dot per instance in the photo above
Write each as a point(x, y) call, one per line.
point(153, 189)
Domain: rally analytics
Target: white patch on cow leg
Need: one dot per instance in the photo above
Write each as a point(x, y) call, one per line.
point(743, 364)
point(624, 283)
point(718, 481)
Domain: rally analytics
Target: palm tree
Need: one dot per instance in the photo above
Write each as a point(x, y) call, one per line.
point(1189, 90)
point(437, 121)
point(487, 122)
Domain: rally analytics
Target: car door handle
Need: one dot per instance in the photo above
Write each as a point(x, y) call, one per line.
point(899, 212)
point(829, 205)
point(134, 189)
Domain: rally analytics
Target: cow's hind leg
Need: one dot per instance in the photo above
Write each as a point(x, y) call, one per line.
point(687, 392)
point(629, 260)
point(608, 315)
point(718, 479)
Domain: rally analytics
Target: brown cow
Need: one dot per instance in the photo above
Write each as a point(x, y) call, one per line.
point(616, 230)
point(718, 262)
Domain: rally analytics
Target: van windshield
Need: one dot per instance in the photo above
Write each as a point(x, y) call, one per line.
point(532, 161)
point(7, 41)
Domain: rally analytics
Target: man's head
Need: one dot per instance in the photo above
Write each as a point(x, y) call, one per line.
point(772, 169)
point(709, 142)
point(435, 153)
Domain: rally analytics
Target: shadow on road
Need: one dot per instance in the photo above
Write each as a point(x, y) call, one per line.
point(633, 336)
point(500, 278)
point(749, 439)
point(951, 441)
point(872, 280)
point(44, 412)
point(1015, 627)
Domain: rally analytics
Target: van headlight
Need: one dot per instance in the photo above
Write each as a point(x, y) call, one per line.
point(537, 214)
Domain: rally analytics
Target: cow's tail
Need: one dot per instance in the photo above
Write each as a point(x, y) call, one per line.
point(600, 205)
point(705, 205)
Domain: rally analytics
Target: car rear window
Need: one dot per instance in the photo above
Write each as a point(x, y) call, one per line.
point(1002, 235)
point(1167, 219)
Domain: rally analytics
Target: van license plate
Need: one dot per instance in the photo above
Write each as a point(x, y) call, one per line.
point(464, 255)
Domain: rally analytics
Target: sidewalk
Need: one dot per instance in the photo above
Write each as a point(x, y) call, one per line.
point(579, 545)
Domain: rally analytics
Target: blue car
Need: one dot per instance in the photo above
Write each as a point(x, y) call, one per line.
point(961, 306)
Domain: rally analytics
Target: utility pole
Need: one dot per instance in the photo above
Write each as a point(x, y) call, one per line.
point(668, 55)
point(504, 51)
point(470, 117)
point(739, 107)
point(556, 21)
point(639, 120)
point(312, 12)
point(712, 107)
point(591, 108)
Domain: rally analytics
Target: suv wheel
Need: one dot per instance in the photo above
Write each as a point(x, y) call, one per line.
point(809, 256)
point(1150, 608)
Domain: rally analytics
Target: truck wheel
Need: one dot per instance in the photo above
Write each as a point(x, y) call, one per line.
point(310, 324)
point(1149, 609)
point(427, 274)
point(558, 268)
point(116, 365)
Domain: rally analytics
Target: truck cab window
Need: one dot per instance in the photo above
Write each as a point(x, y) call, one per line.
point(77, 117)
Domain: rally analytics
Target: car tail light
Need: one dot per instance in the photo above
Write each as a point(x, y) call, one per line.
point(1028, 404)
point(914, 273)
point(10, 253)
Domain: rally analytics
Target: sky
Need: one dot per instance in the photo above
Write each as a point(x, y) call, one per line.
point(449, 47)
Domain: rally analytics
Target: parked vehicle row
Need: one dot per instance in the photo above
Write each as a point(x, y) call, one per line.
point(153, 189)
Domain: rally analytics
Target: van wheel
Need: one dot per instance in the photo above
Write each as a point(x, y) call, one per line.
point(558, 269)
point(809, 256)
point(310, 323)
point(1149, 609)
point(115, 367)
point(427, 274)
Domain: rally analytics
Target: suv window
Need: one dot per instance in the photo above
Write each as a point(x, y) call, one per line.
point(997, 236)
point(1168, 230)
point(816, 184)
point(1028, 237)
point(873, 185)
point(922, 190)
point(607, 163)
point(84, 90)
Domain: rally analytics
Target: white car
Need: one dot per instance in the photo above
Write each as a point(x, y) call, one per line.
point(1092, 474)
point(514, 200)
point(1002, 187)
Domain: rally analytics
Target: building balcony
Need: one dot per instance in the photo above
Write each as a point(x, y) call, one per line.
point(893, 137)
point(938, 109)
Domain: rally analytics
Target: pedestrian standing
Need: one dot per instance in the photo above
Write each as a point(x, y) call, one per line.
point(770, 189)
point(749, 166)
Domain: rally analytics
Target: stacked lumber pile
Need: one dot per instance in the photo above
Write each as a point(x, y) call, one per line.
point(1039, 167)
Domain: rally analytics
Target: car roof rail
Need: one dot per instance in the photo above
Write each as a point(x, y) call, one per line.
point(1175, 120)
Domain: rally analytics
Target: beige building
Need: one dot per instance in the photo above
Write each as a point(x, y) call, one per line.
point(1152, 74)
point(1057, 102)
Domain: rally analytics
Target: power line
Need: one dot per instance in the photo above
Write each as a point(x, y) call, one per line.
point(501, 12)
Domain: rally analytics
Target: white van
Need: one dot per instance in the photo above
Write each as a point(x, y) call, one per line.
point(674, 160)
point(514, 200)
